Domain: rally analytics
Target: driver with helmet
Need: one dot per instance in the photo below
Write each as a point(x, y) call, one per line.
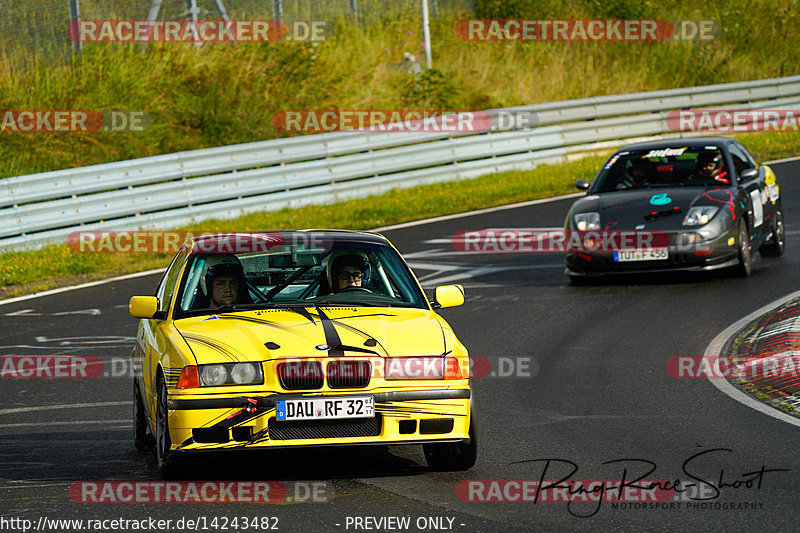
point(348, 270)
point(709, 166)
point(224, 281)
point(638, 174)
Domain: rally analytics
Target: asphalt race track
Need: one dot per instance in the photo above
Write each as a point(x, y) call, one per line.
point(572, 374)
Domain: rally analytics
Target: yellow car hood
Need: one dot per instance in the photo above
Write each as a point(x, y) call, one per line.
point(310, 332)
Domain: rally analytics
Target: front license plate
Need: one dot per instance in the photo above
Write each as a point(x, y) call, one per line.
point(653, 254)
point(328, 407)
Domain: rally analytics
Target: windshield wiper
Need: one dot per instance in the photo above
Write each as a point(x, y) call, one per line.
point(228, 308)
point(349, 304)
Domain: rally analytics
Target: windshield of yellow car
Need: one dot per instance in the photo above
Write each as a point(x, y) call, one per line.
point(344, 273)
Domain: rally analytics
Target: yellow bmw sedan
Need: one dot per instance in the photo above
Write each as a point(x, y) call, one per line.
point(298, 339)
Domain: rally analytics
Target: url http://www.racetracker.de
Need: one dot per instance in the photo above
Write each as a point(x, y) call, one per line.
point(199, 523)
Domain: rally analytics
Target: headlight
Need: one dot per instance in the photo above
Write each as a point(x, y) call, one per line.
point(692, 237)
point(244, 373)
point(699, 215)
point(688, 238)
point(230, 374)
point(587, 221)
point(213, 375)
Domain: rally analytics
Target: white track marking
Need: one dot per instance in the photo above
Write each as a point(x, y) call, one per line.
point(61, 406)
point(81, 286)
point(477, 212)
point(714, 350)
point(65, 423)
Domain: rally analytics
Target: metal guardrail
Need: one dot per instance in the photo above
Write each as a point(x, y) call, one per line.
point(187, 187)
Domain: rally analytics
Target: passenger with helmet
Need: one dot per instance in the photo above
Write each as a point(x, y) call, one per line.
point(224, 281)
point(638, 174)
point(709, 167)
point(348, 270)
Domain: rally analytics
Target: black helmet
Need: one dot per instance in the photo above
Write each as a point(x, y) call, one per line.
point(709, 157)
point(226, 265)
point(348, 259)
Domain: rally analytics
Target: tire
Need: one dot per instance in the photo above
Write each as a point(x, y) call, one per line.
point(453, 455)
point(743, 269)
point(165, 457)
point(141, 439)
point(777, 244)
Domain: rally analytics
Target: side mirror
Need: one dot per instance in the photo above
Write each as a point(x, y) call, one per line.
point(583, 185)
point(448, 296)
point(143, 306)
point(749, 174)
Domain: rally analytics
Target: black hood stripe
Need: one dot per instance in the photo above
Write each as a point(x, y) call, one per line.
point(331, 335)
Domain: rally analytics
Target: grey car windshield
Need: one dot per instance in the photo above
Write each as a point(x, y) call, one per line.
point(663, 167)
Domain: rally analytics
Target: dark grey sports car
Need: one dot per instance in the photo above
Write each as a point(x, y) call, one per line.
point(706, 197)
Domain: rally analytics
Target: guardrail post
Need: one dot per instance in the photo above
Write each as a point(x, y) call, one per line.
point(74, 21)
point(155, 7)
point(426, 33)
point(352, 7)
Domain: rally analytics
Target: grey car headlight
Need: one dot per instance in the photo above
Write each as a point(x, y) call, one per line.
point(700, 215)
point(587, 221)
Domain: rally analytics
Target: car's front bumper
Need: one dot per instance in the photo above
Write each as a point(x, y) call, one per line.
point(720, 252)
point(212, 422)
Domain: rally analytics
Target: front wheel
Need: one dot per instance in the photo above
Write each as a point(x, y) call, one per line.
point(453, 455)
point(165, 457)
point(777, 244)
point(140, 437)
point(743, 268)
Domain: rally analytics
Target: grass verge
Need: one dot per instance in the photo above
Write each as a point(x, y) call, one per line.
point(221, 94)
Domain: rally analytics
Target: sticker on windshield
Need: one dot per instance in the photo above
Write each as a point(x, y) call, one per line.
point(667, 152)
point(612, 161)
point(660, 199)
